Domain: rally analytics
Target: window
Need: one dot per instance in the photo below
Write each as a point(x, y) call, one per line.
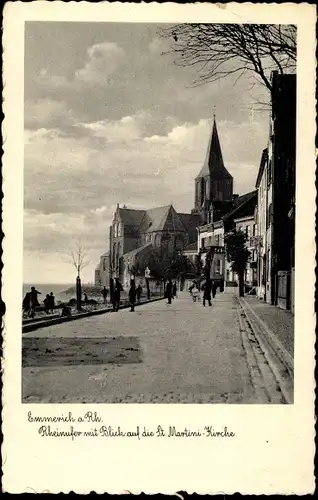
point(157, 240)
point(218, 266)
point(198, 192)
point(114, 255)
point(179, 243)
point(248, 231)
point(210, 240)
point(207, 194)
point(254, 229)
point(269, 216)
point(202, 242)
point(268, 265)
point(118, 229)
point(202, 191)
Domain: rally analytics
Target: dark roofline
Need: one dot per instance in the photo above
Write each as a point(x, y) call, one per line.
point(240, 205)
point(261, 167)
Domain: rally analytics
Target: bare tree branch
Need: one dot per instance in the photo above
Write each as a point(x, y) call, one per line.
point(221, 50)
point(78, 256)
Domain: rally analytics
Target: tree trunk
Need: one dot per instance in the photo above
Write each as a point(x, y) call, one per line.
point(241, 283)
point(78, 293)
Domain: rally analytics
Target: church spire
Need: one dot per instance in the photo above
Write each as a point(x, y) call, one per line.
point(213, 164)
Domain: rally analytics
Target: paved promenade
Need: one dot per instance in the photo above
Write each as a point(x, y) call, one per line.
point(279, 321)
point(183, 353)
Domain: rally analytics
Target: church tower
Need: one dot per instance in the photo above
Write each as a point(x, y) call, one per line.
point(214, 183)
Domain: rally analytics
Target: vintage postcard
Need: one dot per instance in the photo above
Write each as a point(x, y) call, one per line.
point(159, 249)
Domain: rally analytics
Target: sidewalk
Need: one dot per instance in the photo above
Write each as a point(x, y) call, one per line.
point(280, 322)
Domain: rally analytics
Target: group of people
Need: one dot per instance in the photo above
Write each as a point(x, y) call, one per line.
point(30, 303)
point(207, 287)
point(134, 294)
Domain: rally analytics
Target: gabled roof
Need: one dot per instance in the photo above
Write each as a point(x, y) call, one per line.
point(130, 216)
point(162, 219)
point(239, 202)
point(213, 164)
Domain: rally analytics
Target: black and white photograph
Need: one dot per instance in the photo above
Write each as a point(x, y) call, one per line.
point(159, 213)
point(159, 248)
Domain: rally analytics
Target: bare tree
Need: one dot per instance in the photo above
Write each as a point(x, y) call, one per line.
point(222, 50)
point(78, 255)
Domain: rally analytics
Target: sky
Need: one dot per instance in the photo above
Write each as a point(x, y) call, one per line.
point(109, 119)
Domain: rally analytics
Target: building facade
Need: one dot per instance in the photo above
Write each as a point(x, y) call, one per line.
point(276, 198)
point(248, 226)
point(134, 234)
point(102, 271)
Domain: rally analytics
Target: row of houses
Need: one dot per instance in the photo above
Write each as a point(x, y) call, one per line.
point(266, 215)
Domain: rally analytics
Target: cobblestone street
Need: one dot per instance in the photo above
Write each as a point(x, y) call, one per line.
point(187, 354)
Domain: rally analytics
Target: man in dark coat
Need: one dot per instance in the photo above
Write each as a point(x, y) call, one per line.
point(132, 295)
point(138, 293)
point(174, 290)
point(206, 287)
point(52, 302)
point(26, 304)
point(104, 294)
point(46, 303)
point(169, 291)
point(34, 300)
point(116, 294)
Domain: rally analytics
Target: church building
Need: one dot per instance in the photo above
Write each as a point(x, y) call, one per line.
point(134, 234)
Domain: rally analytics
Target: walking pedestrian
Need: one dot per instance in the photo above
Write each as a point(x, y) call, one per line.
point(52, 302)
point(116, 294)
point(132, 295)
point(46, 303)
point(206, 288)
point(104, 294)
point(138, 293)
point(85, 298)
point(169, 291)
point(34, 300)
point(26, 305)
point(174, 290)
point(214, 287)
